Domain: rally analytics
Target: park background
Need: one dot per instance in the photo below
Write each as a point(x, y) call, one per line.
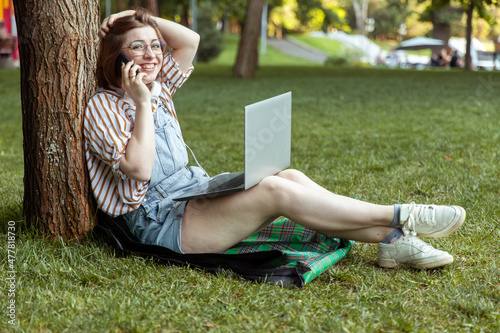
point(372, 132)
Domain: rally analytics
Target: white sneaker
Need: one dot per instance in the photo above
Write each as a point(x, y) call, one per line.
point(410, 250)
point(431, 220)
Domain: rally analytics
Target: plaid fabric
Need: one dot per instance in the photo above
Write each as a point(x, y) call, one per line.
point(310, 252)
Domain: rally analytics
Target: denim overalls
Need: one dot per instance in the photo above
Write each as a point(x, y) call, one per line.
point(158, 220)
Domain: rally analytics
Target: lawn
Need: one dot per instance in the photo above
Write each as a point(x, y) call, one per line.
point(337, 49)
point(380, 135)
point(327, 45)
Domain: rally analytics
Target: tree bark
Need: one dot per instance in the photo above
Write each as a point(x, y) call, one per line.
point(247, 58)
point(57, 45)
point(441, 29)
point(151, 5)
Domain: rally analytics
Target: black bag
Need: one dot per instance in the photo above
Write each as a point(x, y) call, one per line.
point(256, 266)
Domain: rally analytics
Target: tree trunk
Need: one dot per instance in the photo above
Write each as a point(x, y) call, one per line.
point(185, 15)
point(442, 19)
point(361, 12)
point(151, 5)
point(441, 28)
point(120, 6)
point(247, 59)
point(57, 45)
point(468, 37)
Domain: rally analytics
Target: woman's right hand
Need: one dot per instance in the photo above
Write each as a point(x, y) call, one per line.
point(133, 84)
point(138, 161)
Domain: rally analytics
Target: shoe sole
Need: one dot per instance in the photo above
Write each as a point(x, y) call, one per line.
point(447, 232)
point(391, 263)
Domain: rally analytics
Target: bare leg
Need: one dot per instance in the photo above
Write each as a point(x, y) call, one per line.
point(213, 225)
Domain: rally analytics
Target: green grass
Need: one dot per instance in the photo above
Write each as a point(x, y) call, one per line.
point(271, 57)
point(380, 135)
point(327, 45)
point(11, 145)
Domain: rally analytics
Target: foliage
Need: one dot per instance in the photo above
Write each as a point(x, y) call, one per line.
point(482, 8)
point(210, 38)
point(306, 15)
point(388, 17)
point(319, 15)
point(447, 14)
point(284, 16)
point(236, 8)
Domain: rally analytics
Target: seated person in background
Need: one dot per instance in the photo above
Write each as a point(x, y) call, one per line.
point(456, 61)
point(442, 58)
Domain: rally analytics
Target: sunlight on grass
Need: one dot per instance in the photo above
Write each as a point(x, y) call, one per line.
point(327, 45)
point(272, 57)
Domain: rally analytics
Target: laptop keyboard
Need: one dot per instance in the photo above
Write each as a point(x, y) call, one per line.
point(231, 183)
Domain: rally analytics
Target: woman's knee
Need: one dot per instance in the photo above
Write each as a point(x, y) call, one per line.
point(271, 185)
point(278, 190)
point(293, 175)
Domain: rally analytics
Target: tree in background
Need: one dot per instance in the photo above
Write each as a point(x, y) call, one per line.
point(442, 16)
point(57, 45)
point(247, 58)
point(481, 7)
point(388, 16)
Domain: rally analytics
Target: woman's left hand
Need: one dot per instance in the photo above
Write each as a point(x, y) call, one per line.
point(108, 22)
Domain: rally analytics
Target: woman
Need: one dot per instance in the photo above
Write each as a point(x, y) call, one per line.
point(137, 162)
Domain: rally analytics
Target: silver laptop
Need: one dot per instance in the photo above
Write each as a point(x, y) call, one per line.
point(268, 137)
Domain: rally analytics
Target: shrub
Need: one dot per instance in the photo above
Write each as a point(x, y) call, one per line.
point(349, 56)
point(210, 38)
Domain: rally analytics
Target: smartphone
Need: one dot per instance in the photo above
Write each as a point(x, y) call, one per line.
point(122, 58)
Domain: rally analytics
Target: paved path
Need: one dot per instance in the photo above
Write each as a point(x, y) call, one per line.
point(297, 50)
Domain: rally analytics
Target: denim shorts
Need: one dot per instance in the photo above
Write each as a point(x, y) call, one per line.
point(165, 231)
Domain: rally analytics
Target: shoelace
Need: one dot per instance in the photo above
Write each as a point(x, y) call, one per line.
point(423, 246)
point(418, 215)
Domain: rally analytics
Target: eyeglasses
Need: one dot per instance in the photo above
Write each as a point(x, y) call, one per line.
point(139, 47)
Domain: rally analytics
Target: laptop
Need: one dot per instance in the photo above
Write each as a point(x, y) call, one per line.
point(268, 137)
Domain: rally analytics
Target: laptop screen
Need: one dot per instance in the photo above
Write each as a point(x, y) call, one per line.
point(268, 131)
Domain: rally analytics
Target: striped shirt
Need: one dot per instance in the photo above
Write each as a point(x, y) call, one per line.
point(108, 125)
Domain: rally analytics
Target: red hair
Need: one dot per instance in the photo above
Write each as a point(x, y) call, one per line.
point(112, 44)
